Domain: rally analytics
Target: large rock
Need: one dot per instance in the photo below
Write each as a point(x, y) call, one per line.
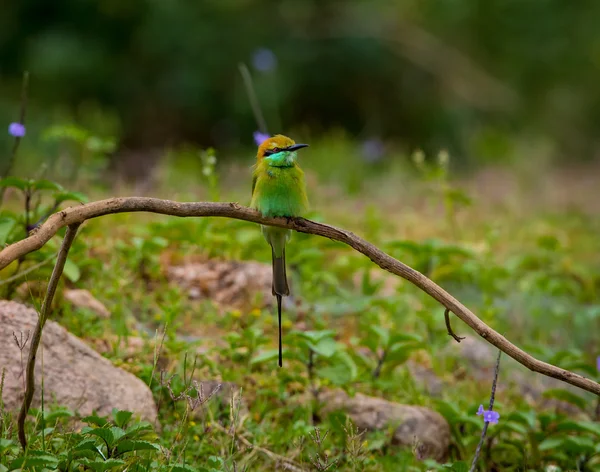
point(420, 428)
point(75, 375)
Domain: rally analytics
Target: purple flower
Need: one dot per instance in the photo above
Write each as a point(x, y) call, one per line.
point(260, 138)
point(598, 363)
point(372, 150)
point(264, 60)
point(489, 416)
point(16, 129)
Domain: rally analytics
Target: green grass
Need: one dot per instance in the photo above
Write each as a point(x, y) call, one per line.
point(525, 266)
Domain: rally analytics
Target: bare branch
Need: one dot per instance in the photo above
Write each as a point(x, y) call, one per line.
point(37, 335)
point(78, 214)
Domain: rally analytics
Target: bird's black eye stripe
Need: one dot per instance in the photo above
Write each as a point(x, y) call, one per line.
point(272, 151)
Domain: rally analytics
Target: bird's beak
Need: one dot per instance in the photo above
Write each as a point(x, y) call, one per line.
point(296, 147)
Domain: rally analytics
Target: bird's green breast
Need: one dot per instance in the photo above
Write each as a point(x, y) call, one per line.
point(279, 191)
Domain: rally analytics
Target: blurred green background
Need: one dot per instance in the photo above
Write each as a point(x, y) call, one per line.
point(476, 77)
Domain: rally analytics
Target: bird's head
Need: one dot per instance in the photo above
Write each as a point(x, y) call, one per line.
point(279, 151)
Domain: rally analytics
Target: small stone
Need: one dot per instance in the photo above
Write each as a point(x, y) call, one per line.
point(230, 284)
point(80, 298)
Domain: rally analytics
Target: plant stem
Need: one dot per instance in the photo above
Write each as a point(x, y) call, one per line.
point(37, 335)
point(485, 426)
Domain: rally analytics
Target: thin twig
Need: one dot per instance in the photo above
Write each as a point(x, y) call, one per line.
point(449, 327)
point(80, 213)
point(485, 426)
point(258, 114)
point(37, 335)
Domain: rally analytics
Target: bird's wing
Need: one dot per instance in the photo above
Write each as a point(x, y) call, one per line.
point(254, 178)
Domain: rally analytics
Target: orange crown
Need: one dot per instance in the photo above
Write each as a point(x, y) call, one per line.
point(278, 141)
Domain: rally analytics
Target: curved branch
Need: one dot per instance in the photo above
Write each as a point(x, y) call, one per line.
point(77, 215)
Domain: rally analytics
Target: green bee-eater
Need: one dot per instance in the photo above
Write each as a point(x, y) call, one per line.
point(278, 189)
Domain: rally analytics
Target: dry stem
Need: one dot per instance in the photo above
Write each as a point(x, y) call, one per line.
point(37, 335)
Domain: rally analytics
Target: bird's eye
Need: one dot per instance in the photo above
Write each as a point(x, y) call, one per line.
point(274, 150)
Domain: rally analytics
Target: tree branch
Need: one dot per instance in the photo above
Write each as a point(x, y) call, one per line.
point(78, 214)
point(37, 335)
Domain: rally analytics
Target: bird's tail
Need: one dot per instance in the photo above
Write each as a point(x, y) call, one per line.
point(279, 318)
point(280, 289)
point(280, 284)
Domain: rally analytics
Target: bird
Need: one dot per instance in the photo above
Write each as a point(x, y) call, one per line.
point(278, 190)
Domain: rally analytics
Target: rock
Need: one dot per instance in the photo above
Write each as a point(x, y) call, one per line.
point(426, 431)
point(231, 284)
point(80, 298)
point(425, 378)
point(75, 375)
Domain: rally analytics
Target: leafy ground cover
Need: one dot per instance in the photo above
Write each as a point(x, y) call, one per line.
point(526, 261)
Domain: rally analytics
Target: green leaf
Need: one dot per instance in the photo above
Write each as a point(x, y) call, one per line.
point(98, 465)
point(314, 336)
point(46, 185)
point(117, 433)
point(515, 427)
point(15, 182)
point(265, 356)
point(580, 427)
point(5, 444)
point(400, 352)
point(579, 445)
point(382, 333)
point(326, 347)
point(122, 417)
point(566, 396)
point(86, 445)
point(71, 271)
point(405, 337)
point(551, 443)
point(34, 459)
point(182, 468)
point(50, 417)
point(137, 430)
point(106, 434)
point(347, 359)
point(528, 419)
point(460, 466)
point(70, 196)
point(129, 445)
point(95, 420)
point(6, 226)
point(339, 374)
